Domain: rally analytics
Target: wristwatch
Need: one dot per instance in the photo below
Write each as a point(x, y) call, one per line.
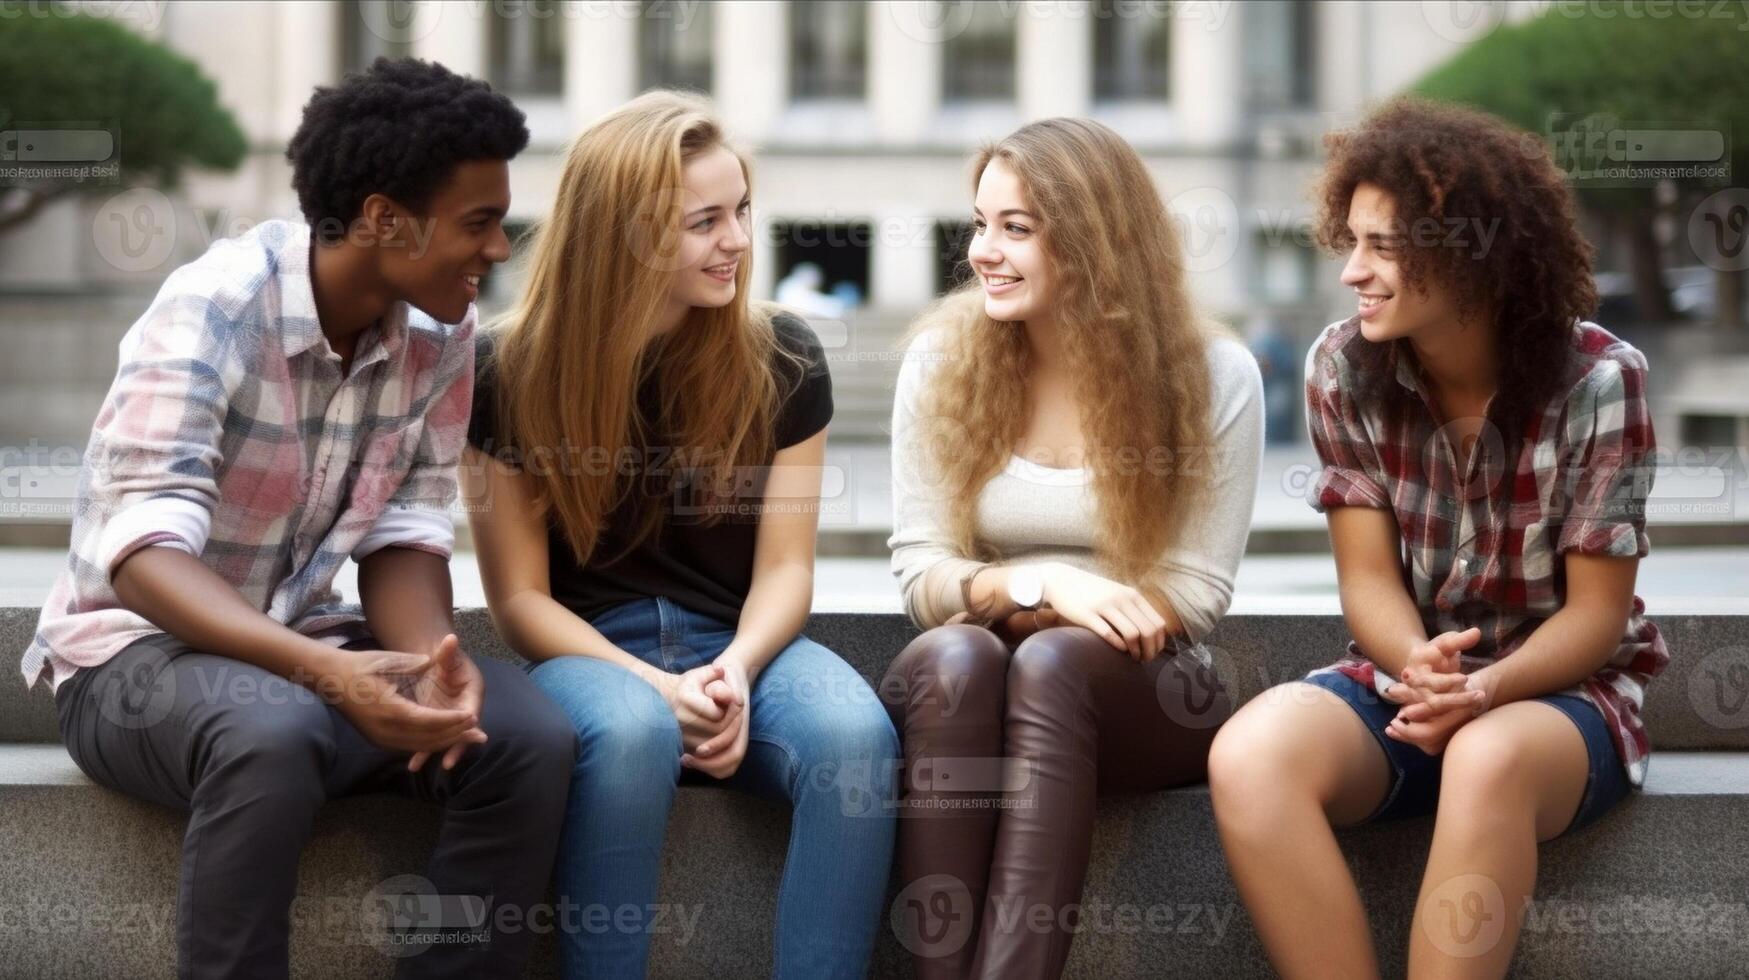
point(1026, 586)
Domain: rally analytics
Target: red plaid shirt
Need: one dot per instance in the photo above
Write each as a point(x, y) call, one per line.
point(1579, 483)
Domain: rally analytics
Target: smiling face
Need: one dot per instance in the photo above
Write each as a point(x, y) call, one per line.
point(715, 231)
point(1389, 309)
point(435, 260)
point(1006, 250)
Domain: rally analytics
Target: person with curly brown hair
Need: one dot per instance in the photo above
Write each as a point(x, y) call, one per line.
point(1075, 455)
point(1485, 460)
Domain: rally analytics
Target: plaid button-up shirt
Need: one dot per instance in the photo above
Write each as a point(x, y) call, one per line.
point(1579, 483)
point(231, 433)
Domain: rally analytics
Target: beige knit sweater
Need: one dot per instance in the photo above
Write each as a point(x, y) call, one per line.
point(1033, 513)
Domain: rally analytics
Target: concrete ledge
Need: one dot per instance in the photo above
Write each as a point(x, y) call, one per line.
point(1654, 889)
point(1701, 702)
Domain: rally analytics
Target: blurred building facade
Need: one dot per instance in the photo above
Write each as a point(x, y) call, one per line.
point(861, 116)
point(861, 113)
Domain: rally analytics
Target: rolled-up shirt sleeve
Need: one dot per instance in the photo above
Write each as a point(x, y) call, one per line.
point(1608, 454)
point(1350, 474)
point(156, 443)
point(418, 514)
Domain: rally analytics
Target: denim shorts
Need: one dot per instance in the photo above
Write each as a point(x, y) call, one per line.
point(1414, 789)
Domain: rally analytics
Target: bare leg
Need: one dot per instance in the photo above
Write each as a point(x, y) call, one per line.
point(1293, 762)
point(1511, 778)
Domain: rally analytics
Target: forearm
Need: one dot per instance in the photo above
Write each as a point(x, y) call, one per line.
point(179, 594)
point(989, 593)
point(1159, 598)
point(407, 597)
point(932, 597)
point(1567, 648)
point(1383, 621)
point(775, 612)
point(539, 627)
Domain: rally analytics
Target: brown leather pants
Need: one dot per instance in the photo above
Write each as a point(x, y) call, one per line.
point(1005, 754)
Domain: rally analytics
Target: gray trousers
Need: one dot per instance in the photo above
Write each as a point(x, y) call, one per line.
point(251, 756)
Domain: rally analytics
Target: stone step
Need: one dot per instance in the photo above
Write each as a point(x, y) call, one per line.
point(1651, 890)
point(1654, 889)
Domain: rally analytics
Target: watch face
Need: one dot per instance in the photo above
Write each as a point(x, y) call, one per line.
point(1026, 587)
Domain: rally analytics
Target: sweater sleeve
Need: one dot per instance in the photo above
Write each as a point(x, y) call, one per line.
point(1197, 575)
point(924, 559)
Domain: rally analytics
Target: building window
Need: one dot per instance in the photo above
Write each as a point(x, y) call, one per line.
point(528, 47)
point(828, 50)
point(840, 250)
point(1131, 53)
point(362, 26)
point(952, 268)
point(674, 51)
point(1285, 267)
point(1278, 54)
point(978, 62)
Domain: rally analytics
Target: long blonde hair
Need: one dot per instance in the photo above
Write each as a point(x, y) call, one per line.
point(1133, 344)
point(570, 356)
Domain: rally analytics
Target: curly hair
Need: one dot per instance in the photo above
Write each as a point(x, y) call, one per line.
point(1135, 345)
point(1455, 169)
point(398, 128)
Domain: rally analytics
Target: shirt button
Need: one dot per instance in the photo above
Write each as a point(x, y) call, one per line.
point(1463, 566)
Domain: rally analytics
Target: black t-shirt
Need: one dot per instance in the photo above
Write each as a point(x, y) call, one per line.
point(705, 568)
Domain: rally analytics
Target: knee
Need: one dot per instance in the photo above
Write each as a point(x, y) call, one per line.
point(850, 753)
point(1483, 765)
point(851, 733)
point(527, 729)
point(281, 751)
point(1233, 757)
point(619, 722)
point(1054, 658)
point(959, 650)
point(1250, 762)
point(629, 735)
point(941, 664)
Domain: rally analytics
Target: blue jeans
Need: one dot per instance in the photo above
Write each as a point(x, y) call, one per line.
point(820, 739)
point(1415, 775)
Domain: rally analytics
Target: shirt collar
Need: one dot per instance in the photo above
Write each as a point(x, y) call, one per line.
point(1408, 370)
point(1408, 373)
point(301, 328)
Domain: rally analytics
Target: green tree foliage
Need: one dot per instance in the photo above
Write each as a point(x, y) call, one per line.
point(59, 70)
point(1580, 69)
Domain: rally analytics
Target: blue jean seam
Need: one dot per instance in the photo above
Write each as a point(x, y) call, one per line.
point(789, 782)
point(667, 634)
point(1397, 777)
point(795, 759)
point(1588, 798)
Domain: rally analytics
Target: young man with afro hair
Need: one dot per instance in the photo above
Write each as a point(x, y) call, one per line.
point(297, 396)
